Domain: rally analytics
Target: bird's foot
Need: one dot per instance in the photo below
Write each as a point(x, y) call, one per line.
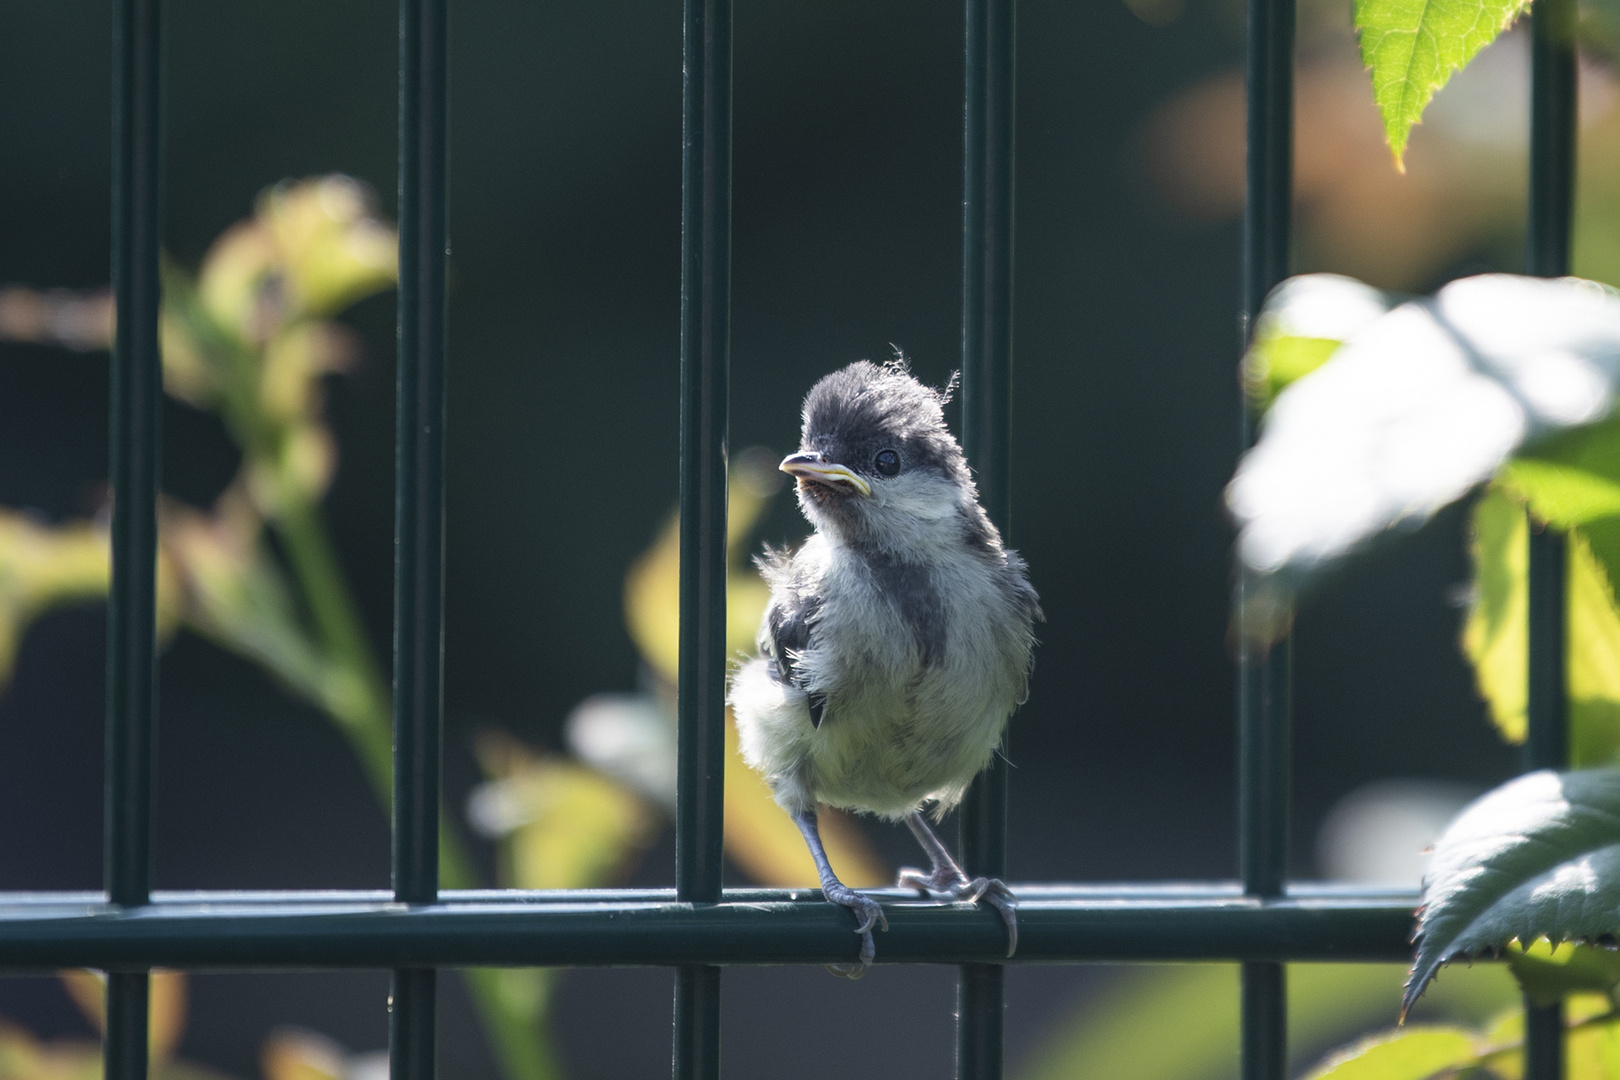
point(869, 914)
point(950, 881)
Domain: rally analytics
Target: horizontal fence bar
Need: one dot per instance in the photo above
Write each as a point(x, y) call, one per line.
point(316, 931)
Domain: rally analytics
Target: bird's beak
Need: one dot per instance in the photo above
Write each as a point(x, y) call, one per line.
point(811, 467)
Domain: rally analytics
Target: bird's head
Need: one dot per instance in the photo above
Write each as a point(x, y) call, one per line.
point(877, 466)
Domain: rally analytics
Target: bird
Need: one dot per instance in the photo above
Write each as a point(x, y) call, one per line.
point(898, 638)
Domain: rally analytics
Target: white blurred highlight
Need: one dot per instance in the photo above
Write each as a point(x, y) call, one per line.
point(630, 737)
point(1420, 404)
point(1381, 833)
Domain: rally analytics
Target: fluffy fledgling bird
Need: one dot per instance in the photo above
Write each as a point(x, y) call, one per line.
point(898, 638)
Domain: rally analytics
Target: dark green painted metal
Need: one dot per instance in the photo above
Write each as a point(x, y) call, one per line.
point(419, 510)
point(413, 1024)
point(419, 450)
point(1551, 214)
point(1265, 1019)
point(987, 243)
point(988, 169)
point(697, 1022)
point(705, 395)
point(981, 1011)
point(1552, 136)
point(1269, 198)
point(1264, 693)
point(128, 1005)
point(135, 468)
point(1547, 744)
point(1543, 1041)
point(1056, 925)
point(705, 385)
point(136, 393)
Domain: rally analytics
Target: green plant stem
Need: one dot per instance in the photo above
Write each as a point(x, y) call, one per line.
point(365, 716)
point(520, 1041)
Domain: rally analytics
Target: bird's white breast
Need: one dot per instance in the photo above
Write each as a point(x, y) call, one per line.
point(898, 730)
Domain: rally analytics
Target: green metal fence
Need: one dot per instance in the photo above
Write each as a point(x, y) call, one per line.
point(699, 928)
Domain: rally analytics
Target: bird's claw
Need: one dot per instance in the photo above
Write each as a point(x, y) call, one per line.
point(948, 881)
point(870, 915)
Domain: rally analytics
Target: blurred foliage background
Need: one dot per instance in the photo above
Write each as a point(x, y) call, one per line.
point(564, 220)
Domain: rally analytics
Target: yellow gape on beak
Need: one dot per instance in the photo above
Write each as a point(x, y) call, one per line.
point(811, 467)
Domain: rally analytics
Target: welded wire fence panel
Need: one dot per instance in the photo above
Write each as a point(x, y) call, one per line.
point(697, 928)
point(1551, 217)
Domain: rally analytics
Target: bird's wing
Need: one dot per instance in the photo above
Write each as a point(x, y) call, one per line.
point(785, 635)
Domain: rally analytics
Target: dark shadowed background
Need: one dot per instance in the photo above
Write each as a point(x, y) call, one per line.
point(564, 287)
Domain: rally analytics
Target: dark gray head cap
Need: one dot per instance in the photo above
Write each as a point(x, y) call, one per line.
point(865, 406)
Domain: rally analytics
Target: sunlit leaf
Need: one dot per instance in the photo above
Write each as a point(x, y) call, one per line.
point(167, 1015)
point(44, 566)
point(237, 284)
point(1181, 1022)
point(1570, 478)
point(1410, 1053)
point(237, 595)
point(312, 248)
point(1304, 322)
point(1538, 857)
point(1414, 410)
point(652, 588)
point(333, 247)
point(565, 826)
point(1274, 362)
point(1550, 973)
point(1412, 47)
point(292, 1054)
point(1494, 634)
point(24, 1057)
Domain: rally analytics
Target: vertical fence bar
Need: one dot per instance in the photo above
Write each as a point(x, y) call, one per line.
point(419, 511)
point(705, 390)
point(136, 446)
point(1264, 692)
point(1552, 201)
point(988, 145)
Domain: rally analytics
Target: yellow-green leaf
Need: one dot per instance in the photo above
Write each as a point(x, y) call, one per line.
point(1412, 47)
point(1494, 635)
point(1274, 362)
point(1549, 973)
point(1570, 478)
point(1411, 1053)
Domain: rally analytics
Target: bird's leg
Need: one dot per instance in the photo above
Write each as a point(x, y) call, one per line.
point(865, 908)
point(947, 878)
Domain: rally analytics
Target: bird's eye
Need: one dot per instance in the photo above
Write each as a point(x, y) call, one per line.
point(887, 462)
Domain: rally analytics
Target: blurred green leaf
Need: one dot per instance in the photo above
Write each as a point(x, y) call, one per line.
point(565, 826)
point(1570, 478)
point(1538, 857)
point(1181, 1022)
point(1550, 973)
point(237, 596)
point(292, 1054)
point(1275, 361)
point(1303, 323)
point(44, 566)
point(1494, 637)
point(1412, 48)
point(1495, 632)
point(1411, 1053)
